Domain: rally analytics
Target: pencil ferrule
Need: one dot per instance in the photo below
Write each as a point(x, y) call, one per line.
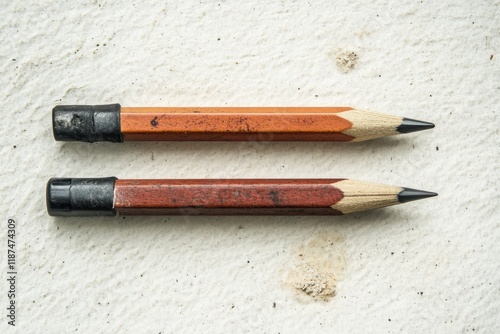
point(87, 123)
point(81, 197)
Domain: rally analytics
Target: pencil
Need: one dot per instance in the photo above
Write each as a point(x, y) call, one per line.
point(111, 196)
point(117, 124)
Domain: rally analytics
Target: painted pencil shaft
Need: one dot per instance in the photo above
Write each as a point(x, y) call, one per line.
point(227, 197)
point(234, 124)
point(108, 196)
point(115, 123)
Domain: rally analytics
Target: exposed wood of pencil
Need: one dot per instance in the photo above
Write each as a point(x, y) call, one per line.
point(259, 123)
point(250, 197)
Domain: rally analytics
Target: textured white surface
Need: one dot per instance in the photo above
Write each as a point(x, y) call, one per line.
point(427, 266)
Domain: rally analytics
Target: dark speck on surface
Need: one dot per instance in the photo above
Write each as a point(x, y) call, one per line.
point(274, 197)
point(154, 121)
point(437, 148)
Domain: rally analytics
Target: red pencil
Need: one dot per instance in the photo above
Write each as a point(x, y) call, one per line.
point(110, 196)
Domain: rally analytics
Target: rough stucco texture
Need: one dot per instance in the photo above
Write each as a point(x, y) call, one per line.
point(427, 266)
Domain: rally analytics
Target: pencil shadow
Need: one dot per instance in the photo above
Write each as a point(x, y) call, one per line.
point(198, 148)
point(277, 225)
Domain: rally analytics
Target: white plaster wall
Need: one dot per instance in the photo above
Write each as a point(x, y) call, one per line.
point(424, 267)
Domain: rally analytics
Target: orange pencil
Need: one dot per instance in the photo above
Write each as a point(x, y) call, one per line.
point(117, 124)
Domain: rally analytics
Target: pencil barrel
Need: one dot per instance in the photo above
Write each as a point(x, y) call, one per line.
point(234, 124)
point(227, 197)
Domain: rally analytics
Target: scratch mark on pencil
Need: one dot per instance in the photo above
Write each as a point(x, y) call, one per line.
point(154, 122)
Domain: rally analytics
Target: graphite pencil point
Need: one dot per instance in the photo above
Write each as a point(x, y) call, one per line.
point(409, 125)
point(408, 195)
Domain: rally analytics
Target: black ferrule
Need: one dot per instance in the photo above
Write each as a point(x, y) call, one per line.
point(81, 197)
point(87, 123)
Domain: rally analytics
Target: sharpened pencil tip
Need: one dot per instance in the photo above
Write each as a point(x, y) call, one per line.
point(409, 125)
point(409, 194)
